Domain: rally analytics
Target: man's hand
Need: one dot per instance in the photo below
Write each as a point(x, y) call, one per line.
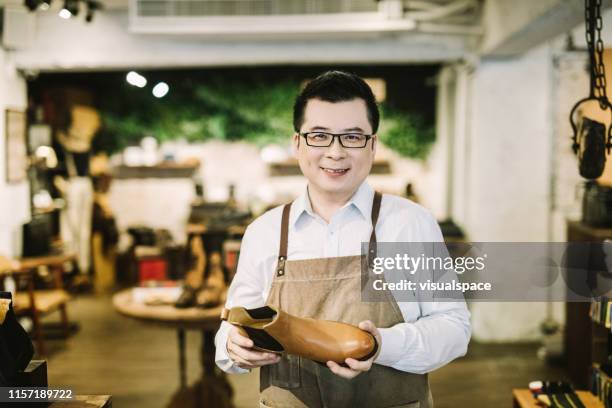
point(240, 350)
point(356, 367)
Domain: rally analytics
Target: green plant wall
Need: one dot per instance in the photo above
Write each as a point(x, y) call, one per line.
point(253, 111)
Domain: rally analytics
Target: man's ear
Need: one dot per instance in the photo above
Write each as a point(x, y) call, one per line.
point(374, 140)
point(296, 144)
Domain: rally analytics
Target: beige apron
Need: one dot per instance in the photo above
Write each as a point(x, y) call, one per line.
point(330, 289)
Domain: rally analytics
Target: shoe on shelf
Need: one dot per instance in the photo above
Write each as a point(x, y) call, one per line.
point(214, 290)
point(194, 277)
point(187, 298)
point(209, 297)
point(273, 330)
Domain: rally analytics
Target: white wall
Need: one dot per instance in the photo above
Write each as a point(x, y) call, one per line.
point(14, 198)
point(509, 148)
point(573, 83)
point(505, 163)
point(438, 160)
point(521, 176)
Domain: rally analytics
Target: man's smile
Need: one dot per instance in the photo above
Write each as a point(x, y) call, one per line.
point(335, 171)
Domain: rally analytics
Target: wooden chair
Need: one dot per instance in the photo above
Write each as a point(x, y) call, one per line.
point(37, 303)
point(7, 265)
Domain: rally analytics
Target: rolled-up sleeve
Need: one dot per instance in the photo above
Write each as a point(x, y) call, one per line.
point(440, 334)
point(430, 342)
point(245, 290)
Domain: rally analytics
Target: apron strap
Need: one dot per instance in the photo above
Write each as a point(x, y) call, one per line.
point(284, 238)
point(375, 212)
point(282, 253)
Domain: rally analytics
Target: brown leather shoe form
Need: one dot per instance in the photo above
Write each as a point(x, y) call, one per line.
point(195, 275)
point(214, 290)
point(187, 298)
point(273, 330)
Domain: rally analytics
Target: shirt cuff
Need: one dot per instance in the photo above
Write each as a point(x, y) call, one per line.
point(393, 341)
point(229, 367)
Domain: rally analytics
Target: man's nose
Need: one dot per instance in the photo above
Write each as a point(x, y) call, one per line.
point(335, 150)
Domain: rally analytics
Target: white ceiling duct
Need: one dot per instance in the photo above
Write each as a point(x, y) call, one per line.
point(256, 18)
point(261, 17)
point(209, 8)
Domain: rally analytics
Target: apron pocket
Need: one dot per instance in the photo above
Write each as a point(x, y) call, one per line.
point(286, 373)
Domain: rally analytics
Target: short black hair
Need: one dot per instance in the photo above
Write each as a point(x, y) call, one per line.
point(336, 86)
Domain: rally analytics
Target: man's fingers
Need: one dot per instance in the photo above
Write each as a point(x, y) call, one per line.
point(239, 350)
point(371, 328)
point(251, 355)
point(240, 362)
point(239, 339)
point(252, 364)
point(359, 365)
point(255, 356)
point(342, 371)
point(368, 326)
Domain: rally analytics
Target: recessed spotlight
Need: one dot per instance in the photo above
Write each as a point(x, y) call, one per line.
point(134, 78)
point(160, 90)
point(64, 13)
point(72, 6)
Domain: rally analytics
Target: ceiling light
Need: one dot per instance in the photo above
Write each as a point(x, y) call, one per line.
point(72, 6)
point(45, 4)
point(160, 90)
point(64, 13)
point(134, 78)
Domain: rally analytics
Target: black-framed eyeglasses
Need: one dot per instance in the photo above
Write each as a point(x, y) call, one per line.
point(348, 140)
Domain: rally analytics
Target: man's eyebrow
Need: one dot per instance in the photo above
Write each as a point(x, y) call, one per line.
point(354, 129)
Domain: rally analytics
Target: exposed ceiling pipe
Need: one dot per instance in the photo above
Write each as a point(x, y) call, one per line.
point(439, 12)
point(419, 5)
point(436, 28)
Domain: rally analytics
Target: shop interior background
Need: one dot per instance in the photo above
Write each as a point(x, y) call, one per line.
point(484, 88)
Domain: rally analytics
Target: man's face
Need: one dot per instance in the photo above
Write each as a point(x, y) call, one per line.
point(335, 170)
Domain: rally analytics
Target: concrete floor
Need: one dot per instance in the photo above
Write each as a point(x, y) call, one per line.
point(137, 363)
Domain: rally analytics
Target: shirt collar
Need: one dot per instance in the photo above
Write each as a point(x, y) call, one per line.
point(301, 206)
point(361, 200)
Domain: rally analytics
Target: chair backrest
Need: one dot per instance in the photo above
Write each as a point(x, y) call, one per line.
point(6, 265)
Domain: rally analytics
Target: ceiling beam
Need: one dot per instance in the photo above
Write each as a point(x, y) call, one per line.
point(513, 27)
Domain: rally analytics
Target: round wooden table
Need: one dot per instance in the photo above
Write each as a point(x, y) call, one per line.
point(205, 320)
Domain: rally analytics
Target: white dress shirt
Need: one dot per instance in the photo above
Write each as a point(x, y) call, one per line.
point(433, 333)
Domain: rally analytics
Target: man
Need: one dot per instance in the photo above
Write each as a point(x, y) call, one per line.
point(336, 120)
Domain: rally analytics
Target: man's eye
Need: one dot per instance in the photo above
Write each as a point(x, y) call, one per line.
point(318, 136)
point(353, 137)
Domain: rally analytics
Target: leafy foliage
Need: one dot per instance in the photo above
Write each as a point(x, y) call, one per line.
point(253, 111)
point(406, 133)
